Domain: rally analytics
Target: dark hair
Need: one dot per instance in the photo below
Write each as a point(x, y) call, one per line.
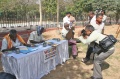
point(68, 13)
point(91, 12)
point(13, 31)
point(97, 15)
point(90, 27)
point(103, 11)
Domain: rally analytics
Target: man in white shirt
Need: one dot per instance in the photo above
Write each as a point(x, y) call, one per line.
point(68, 32)
point(104, 16)
point(99, 27)
point(95, 36)
point(67, 20)
point(11, 41)
point(36, 36)
point(90, 16)
point(97, 23)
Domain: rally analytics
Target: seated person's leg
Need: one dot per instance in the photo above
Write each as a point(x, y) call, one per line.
point(74, 48)
point(74, 51)
point(70, 51)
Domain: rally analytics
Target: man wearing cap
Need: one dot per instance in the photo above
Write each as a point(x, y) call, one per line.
point(36, 36)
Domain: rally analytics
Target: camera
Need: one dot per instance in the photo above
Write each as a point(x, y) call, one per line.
point(83, 33)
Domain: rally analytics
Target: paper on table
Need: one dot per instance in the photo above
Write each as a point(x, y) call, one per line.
point(23, 48)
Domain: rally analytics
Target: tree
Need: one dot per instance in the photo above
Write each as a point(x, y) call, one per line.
point(108, 5)
point(49, 8)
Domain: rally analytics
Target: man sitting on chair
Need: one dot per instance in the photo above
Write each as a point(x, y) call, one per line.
point(69, 36)
point(36, 36)
point(11, 41)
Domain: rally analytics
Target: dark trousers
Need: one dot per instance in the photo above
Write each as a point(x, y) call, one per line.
point(89, 51)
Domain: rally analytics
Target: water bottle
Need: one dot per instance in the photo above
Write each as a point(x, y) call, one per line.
point(44, 44)
point(17, 50)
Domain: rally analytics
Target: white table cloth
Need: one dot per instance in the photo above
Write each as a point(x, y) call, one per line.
point(32, 65)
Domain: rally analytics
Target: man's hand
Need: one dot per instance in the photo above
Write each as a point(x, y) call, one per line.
point(13, 48)
point(71, 20)
point(28, 45)
point(85, 37)
point(42, 41)
point(79, 33)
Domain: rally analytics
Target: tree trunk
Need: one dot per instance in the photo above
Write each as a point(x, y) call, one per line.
point(40, 10)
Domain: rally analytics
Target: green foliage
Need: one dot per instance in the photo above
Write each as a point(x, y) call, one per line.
point(49, 7)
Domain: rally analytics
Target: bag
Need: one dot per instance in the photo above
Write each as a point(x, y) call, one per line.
point(107, 42)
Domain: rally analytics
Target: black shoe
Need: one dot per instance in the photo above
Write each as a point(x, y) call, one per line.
point(74, 56)
point(85, 60)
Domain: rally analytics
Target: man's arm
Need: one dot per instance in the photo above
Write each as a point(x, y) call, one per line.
point(94, 35)
point(13, 48)
point(32, 41)
point(5, 45)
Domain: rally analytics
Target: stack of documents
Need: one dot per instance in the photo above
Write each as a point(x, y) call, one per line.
point(25, 50)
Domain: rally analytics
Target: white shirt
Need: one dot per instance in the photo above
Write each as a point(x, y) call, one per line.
point(104, 18)
point(93, 19)
point(94, 36)
point(34, 36)
point(5, 44)
point(66, 19)
point(97, 27)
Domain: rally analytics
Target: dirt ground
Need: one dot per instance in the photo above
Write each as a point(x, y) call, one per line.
point(75, 69)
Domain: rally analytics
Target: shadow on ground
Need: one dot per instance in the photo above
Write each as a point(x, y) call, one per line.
point(72, 69)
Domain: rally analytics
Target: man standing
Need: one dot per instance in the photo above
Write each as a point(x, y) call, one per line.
point(68, 19)
point(99, 27)
point(90, 16)
point(104, 16)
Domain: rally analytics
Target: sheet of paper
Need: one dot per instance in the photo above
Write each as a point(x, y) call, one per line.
point(23, 48)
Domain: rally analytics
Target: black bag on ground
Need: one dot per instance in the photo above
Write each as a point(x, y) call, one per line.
point(4, 75)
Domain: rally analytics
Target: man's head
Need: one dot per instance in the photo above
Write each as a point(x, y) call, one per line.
point(68, 14)
point(99, 18)
point(103, 12)
point(66, 25)
point(89, 29)
point(40, 30)
point(91, 14)
point(13, 34)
